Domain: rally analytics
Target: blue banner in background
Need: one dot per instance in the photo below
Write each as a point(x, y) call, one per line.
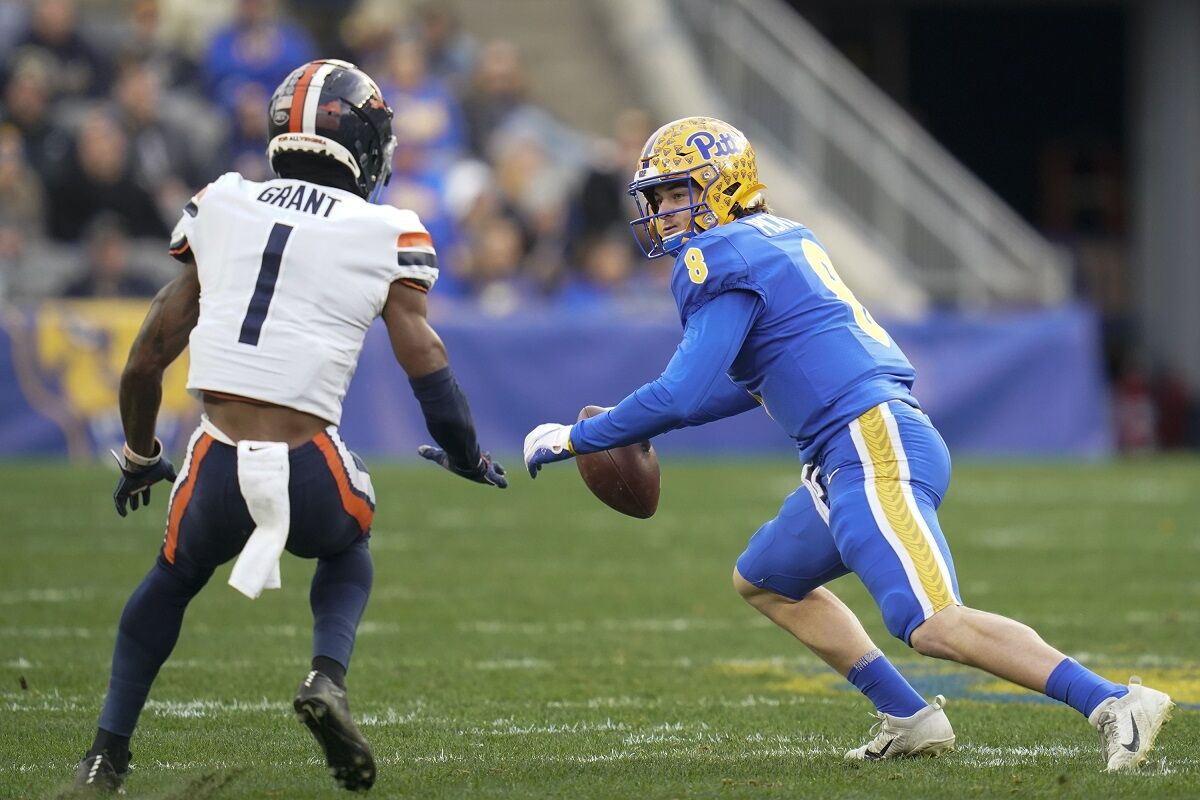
point(1012, 384)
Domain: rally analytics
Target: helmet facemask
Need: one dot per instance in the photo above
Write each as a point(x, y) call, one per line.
point(649, 220)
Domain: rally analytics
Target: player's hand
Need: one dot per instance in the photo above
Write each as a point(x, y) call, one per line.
point(545, 444)
point(486, 471)
point(136, 479)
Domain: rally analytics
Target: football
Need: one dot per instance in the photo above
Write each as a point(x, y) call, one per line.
point(625, 478)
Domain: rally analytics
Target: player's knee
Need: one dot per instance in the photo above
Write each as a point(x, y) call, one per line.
point(745, 588)
point(935, 636)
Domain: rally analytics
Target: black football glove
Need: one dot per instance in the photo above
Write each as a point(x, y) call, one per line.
point(136, 480)
point(486, 471)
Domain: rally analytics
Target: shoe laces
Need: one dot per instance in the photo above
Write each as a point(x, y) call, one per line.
point(1110, 738)
point(880, 728)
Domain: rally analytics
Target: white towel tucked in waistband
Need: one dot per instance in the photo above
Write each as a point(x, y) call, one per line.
point(263, 472)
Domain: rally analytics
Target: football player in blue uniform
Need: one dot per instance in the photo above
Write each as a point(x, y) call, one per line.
point(767, 321)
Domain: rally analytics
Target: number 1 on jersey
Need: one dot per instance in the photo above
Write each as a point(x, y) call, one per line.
point(264, 288)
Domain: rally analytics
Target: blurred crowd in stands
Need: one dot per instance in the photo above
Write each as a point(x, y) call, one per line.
point(114, 112)
point(109, 122)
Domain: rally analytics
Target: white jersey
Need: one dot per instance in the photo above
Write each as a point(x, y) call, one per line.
point(291, 276)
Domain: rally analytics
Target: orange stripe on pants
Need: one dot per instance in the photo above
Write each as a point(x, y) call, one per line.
point(355, 506)
point(180, 504)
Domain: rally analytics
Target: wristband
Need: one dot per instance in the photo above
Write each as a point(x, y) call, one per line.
point(143, 461)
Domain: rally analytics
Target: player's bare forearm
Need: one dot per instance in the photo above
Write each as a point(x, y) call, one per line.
point(417, 347)
point(163, 336)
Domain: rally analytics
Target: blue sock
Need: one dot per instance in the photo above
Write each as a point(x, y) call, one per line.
point(338, 596)
point(1080, 688)
point(874, 676)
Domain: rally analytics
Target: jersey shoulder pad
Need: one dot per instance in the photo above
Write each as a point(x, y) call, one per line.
point(416, 260)
point(708, 265)
point(180, 245)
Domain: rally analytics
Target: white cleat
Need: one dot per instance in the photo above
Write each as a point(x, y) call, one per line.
point(925, 733)
point(1128, 725)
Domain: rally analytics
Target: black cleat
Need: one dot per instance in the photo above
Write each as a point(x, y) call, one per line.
point(322, 705)
point(97, 772)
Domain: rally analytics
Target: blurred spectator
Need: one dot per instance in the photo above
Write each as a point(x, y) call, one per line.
point(538, 188)
point(12, 254)
point(247, 146)
point(323, 19)
point(450, 52)
point(257, 48)
point(101, 179)
point(497, 89)
point(369, 30)
point(1173, 404)
point(145, 41)
point(603, 204)
point(496, 254)
point(13, 22)
point(27, 106)
point(1134, 412)
point(427, 114)
point(109, 265)
point(497, 103)
point(162, 155)
point(21, 197)
point(606, 272)
point(75, 67)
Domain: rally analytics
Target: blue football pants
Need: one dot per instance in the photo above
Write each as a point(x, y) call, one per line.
point(869, 506)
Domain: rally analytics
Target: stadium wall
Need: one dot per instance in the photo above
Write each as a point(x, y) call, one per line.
point(1014, 384)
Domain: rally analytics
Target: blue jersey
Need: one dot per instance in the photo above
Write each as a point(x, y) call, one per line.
point(809, 351)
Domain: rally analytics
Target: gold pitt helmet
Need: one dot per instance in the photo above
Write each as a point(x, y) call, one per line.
point(717, 161)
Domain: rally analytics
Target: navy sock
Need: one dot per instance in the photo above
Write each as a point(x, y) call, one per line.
point(146, 635)
point(114, 746)
point(333, 670)
point(1080, 688)
point(338, 596)
point(875, 677)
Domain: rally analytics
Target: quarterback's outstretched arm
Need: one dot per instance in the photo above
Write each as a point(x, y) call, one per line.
point(693, 389)
point(726, 400)
point(163, 336)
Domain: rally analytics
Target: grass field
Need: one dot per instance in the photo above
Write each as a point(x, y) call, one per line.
point(534, 644)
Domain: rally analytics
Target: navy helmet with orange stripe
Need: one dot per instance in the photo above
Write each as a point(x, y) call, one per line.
point(333, 109)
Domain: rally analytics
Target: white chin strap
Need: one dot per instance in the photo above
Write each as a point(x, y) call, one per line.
point(311, 143)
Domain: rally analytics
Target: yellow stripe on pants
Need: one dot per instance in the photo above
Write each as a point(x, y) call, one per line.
point(898, 512)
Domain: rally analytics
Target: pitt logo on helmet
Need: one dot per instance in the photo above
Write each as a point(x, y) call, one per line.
point(704, 142)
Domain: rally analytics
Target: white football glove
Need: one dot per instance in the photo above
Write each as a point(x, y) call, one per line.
point(545, 444)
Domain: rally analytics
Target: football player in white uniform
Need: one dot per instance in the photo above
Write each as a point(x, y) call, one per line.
point(280, 282)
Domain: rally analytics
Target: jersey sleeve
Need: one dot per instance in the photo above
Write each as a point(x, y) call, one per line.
point(182, 243)
point(180, 247)
point(416, 261)
point(709, 266)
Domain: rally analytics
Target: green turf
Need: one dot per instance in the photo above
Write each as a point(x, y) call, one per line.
point(532, 643)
